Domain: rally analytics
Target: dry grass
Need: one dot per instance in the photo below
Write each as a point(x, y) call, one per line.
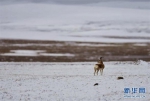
point(111, 52)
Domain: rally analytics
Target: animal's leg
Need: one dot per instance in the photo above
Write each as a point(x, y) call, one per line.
point(101, 71)
point(94, 72)
point(97, 72)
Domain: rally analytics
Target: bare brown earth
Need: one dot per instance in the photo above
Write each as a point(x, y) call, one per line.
point(83, 51)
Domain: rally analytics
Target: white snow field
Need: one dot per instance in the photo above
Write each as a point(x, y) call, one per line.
point(97, 21)
point(42, 81)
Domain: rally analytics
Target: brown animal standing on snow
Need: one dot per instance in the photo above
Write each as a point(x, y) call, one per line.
point(99, 66)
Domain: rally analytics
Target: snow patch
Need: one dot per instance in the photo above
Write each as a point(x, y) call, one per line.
point(23, 53)
point(34, 53)
point(143, 63)
point(56, 54)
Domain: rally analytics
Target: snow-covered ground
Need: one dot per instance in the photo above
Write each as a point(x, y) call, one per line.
point(37, 81)
point(97, 21)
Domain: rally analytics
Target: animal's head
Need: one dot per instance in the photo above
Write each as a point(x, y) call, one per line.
point(101, 58)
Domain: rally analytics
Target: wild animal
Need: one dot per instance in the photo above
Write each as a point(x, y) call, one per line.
point(99, 67)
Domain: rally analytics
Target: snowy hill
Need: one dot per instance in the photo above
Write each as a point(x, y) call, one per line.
point(85, 21)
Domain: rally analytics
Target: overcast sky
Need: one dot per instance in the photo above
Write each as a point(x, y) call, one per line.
point(54, 1)
point(61, 1)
